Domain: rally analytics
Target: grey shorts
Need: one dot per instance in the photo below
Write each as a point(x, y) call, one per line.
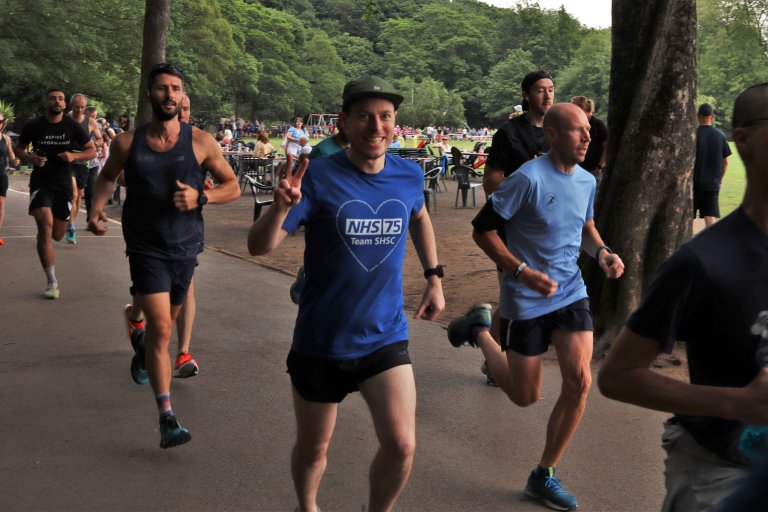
point(696, 479)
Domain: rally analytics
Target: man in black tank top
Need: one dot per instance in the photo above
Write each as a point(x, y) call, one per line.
point(163, 164)
point(78, 103)
point(55, 139)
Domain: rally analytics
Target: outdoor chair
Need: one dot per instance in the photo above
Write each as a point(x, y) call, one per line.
point(413, 153)
point(258, 188)
point(462, 174)
point(431, 188)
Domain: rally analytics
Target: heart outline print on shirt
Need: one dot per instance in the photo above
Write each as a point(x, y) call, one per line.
point(371, 235)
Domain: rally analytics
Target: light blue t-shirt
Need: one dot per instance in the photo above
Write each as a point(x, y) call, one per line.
point(356, 229)
point(545, 211)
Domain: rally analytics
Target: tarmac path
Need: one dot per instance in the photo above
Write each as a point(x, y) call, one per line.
point(76, 434)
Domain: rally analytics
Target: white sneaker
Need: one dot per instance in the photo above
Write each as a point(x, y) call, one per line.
point(52, 292)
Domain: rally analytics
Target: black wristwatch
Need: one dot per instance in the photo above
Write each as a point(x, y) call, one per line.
point(202, 199)
point(437, 271)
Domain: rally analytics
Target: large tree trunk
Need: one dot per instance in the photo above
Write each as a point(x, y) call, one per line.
point(644, 208)
point(157, 15)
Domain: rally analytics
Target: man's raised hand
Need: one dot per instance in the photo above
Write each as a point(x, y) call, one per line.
point(288, 192)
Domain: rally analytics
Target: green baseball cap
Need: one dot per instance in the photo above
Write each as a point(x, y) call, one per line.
point(370, 87)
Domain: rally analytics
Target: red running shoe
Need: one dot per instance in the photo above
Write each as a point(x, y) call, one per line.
point(186, 366)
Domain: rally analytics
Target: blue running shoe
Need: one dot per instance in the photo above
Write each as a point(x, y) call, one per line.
point(460, 329)
point(138, 366)
point(71, 236)
point(548, 489)
point(298, 286)
point(172, 433)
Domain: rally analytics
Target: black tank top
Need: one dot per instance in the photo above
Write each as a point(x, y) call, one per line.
point(86, 126)
point(3, 155)
point(152, 225)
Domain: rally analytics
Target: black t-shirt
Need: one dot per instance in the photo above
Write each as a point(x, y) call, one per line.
point(711, 148)
point(50, 139)
point(598, 134)
point(710, 294)
point(516, 142)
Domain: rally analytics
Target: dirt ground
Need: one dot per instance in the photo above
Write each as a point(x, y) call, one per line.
point(470, 277)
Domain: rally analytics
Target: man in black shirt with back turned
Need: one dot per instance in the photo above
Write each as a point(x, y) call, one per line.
point(54, 138)
point(712, 152)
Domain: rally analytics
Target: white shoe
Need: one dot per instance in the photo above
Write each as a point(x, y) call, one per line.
point(52, 292)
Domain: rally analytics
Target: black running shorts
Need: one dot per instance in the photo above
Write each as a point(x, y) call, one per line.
point(80, 172)
point(532, 337)
point(154, 275)
point(706, 204)
point(59, 201)
point(321, 380)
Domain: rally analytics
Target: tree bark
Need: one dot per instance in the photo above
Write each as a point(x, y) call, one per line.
point(157, 15)
point(644, 207)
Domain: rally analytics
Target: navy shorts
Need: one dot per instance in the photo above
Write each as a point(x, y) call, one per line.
point(321, 380)
point(532, 337)
point(59, 201)
point(154, 275)
point(706, 204)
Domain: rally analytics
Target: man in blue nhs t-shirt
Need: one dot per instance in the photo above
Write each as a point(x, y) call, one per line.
point(351, 333)
point(546, 210)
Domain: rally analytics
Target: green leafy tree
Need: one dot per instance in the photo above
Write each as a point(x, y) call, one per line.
point(731, 51)
point(428, 102)
point(589, 71)
point(551, 37)
point(324, 71)
point(500, 90)
point(273, 38)
point(82, 46)
point(357, 56)
point(403, 53)
point(7, 110)
point(201, 43)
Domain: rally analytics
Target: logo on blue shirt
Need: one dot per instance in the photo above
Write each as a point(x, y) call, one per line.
point(371, 235)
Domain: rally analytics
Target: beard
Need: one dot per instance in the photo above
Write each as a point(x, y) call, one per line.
point(164, 115)
point(54, 111)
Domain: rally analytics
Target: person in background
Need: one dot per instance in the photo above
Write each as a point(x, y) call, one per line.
point(597, 153)
point(264, 148)
point(712, 152)
point(81, 169)
point(57, 140)
point(711, 294)
point(7, 159)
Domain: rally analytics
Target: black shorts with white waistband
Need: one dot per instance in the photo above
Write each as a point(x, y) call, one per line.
point(532, 337)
